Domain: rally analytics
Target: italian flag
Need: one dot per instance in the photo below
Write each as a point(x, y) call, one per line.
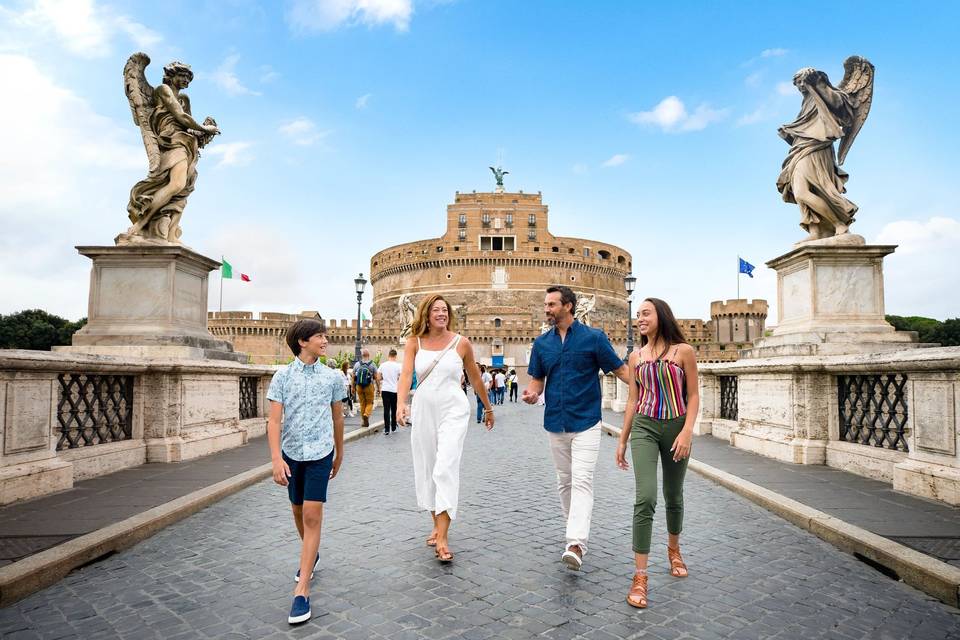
point(226, 272)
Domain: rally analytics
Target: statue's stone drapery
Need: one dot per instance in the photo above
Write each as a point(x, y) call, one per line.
point(811, 176)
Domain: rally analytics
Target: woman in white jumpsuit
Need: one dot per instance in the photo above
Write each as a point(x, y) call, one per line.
point(441, 412)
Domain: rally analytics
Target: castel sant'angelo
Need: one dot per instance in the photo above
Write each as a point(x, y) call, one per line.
point(493, 262)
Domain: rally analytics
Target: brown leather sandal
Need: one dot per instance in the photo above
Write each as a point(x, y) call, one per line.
point(443, 556)
point(432, 540)
point(637, 596)
point(677, 567)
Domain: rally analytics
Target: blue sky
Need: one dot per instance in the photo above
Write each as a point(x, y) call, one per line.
point(349, 124)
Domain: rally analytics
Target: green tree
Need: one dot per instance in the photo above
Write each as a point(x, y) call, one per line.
point(948, 333)
point(36, 329)
point(925, 327)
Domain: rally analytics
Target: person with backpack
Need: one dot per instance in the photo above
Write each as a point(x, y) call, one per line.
point(365, 380)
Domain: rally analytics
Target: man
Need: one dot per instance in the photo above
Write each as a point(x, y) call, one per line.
point(486, 380)
point(388, 375)
point(500, 382)
point(365, 380)
point(566, 361)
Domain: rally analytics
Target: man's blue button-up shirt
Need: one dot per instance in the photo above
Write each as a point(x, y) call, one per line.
point(571, 368)
point(306, 392)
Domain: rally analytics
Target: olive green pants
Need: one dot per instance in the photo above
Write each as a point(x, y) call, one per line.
point(649, 439)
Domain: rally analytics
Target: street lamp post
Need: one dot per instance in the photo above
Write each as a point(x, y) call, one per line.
point(359, 283)
point(629, 282)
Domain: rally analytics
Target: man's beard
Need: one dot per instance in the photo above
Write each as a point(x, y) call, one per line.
point(551, 319)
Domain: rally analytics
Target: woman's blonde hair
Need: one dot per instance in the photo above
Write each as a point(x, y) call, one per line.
point(421, 322)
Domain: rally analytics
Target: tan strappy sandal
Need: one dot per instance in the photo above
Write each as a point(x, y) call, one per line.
point(677, 567)
point(637, 597)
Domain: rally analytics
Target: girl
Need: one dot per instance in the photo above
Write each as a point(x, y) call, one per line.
point(661, 409)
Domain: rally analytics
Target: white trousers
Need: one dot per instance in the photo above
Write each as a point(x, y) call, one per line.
point(575, 458)
point(437, 439)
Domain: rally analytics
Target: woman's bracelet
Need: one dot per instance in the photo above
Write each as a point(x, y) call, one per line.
point(488, 410)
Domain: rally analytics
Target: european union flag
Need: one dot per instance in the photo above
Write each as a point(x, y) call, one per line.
point(746, 267)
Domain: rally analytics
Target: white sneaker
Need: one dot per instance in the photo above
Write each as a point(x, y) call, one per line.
point(573, 558)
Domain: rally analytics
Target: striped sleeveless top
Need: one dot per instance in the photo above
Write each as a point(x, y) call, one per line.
point(662, 384)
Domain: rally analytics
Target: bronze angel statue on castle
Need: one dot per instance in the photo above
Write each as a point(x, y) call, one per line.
point(811, 175)
point(173, 140)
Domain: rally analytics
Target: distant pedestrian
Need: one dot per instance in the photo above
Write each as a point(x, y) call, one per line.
point(388, 374)
point(305, 434)
point(482, 392)
point(348, 381)
point(513, 383)
point(662, 408)
point(440, 411)
point(365, 380)
point(500, 384)
point(564, 366)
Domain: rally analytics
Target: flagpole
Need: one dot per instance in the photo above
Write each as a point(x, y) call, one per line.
point(738, 278)
point(221, 285)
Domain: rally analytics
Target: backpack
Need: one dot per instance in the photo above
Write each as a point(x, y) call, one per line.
point(362, 375)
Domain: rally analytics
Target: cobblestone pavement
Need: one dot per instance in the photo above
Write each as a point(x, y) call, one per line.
point(227, 571)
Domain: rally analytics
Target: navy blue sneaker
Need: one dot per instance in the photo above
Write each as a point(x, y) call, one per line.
point(300, 611)
point(296, 578)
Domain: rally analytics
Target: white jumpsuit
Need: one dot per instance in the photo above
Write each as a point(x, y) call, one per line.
point(440, 416)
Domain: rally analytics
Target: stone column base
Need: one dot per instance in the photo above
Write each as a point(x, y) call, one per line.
point(195, 443)
point(34, 479)
point(830, 300)
point(799, 451)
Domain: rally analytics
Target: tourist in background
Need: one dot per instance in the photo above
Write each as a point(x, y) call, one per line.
point(388, 375)
point(305, 435)
point(564, 367)
point(365, 380)
point(348, 381)
point(512, 383)
point(440, 412)
point(500, 383)
point(662, 407)
point(483, 391)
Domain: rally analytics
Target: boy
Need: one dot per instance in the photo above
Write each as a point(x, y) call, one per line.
point(308, 451)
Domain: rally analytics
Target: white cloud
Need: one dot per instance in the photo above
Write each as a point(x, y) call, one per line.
point(616, 160)
point(226, 78)
point(786, 88)
point(363, 101)
point(758, 114)
point(922, 276)
point(328, 15)
point(773, 53)
point(580, 168)
point(754, 79)
point(231, 154)
point(302, 131)
point(671, 115)
point(65, 179)
point(268, 74)
point(81, 26)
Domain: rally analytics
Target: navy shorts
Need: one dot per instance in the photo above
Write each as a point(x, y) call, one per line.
point(308, 478)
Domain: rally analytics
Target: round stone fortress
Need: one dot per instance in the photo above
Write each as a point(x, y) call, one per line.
point(493, 263)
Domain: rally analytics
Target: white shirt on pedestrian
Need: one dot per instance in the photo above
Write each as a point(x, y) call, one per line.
point(390, 376)
point(501, 380)
point(486, 377)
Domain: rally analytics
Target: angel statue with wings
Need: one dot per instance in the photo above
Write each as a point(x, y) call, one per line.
point(173, 140)
point(498, 173)
point(811, 175)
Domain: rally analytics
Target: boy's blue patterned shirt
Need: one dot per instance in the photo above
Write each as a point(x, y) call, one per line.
point(306, 391)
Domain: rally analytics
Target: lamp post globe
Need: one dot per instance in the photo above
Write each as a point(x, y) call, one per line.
point(629, 283)
point(359, 283)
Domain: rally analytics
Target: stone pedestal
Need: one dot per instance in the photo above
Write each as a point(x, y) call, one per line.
point(149, 301)
point(830, 299)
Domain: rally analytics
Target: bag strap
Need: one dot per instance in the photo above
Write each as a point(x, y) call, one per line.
point(433, 364)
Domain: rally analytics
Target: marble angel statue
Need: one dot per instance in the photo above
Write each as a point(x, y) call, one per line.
point(173, 140)
point(811, 175)
point(408, 311)
point(585, 305)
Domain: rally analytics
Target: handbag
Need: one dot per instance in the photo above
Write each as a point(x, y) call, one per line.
point(433, 364)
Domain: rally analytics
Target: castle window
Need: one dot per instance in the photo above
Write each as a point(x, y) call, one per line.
point(497, 323)
point(586, 252)
point(532, 234)
point(532, 220)
point(510, 219)
point(621, 259)
point(485, 219)
point(573, 278)
point(536, 249)
point(462, 220)
point(571, 250)
point(462, 234)
point(605, 255)
point(449, 275)
point(439, 249)
point(497, 243)
point(555, 249)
